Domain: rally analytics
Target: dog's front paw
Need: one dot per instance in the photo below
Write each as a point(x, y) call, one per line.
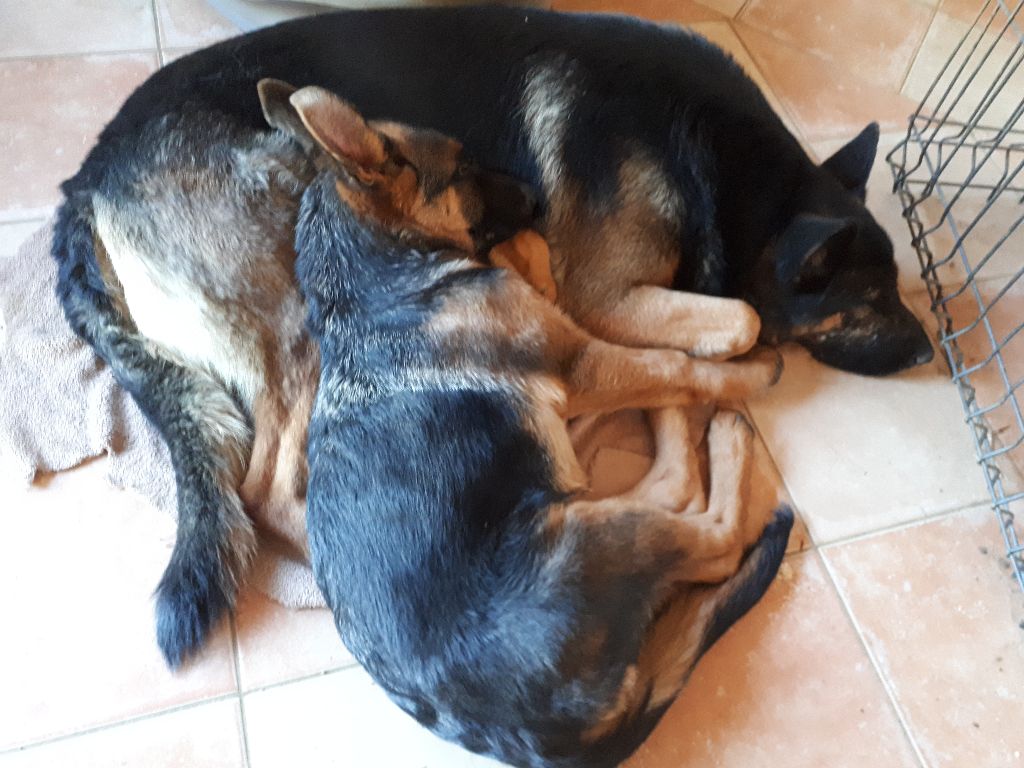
point(190, 601)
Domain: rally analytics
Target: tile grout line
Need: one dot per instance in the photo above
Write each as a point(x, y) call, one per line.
point(918, 48)
point(890, 692)
point(238, 691)
point(302, 678)
point(79, 54)
point(929, 517)
point(790, 115)
point(28, 220)
point(174, 709)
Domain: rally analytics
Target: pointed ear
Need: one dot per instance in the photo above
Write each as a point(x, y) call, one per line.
point(808, 252)
point(339, 129)
point(851, 165)
point(279, 112)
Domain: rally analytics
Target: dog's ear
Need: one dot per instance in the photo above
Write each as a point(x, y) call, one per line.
point(808, 252)
point(280, 113)
point(340, 130)
point(851, 165)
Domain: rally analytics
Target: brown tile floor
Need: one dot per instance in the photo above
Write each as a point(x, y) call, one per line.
point(894, 640)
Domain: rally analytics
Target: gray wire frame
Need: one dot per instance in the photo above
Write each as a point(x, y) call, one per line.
point(959, 149)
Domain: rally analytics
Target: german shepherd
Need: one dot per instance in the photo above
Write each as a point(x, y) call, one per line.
point(657, 163)
point(464, 572)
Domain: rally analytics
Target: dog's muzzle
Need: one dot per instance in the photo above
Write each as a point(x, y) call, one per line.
point(509, 206)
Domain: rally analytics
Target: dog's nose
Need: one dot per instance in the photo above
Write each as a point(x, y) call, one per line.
point(924, 354)
point(509, 206)
point(508, 200)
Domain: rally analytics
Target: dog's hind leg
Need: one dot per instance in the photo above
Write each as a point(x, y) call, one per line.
point(674, 480)
point(691, 624)
point(206, 433)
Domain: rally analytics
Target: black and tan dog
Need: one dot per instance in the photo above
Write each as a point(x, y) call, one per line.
point(657, 163)
point(465, 573)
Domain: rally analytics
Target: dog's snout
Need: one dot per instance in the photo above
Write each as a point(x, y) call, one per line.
point(508, 207)
point(508, 199)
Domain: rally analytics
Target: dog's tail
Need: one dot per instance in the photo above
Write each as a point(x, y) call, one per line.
point(204, 429)
point(685, 631)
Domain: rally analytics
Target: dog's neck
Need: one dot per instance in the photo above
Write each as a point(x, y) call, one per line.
point(342, 257)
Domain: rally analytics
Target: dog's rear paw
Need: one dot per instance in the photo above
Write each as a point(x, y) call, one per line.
point(765, 364)
point(189, 603)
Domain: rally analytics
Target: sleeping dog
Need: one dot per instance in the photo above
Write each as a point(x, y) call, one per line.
point(657, 162)
point(464, 572)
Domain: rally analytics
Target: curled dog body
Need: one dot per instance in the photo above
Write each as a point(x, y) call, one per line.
point(445, 518)
point(657, 164)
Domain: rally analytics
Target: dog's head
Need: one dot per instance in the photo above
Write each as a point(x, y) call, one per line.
point(415, 181)
point(829, 279)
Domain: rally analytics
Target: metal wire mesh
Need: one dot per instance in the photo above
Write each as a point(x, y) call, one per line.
point(959, 174)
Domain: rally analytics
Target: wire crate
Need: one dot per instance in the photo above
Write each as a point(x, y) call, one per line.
point(959, 174)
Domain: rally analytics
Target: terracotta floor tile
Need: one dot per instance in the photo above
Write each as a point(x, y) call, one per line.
point(342, 719)
point(939, 44)
point(167, 55)
point(826, 100)
point(677, 11)
point(71, 26)
point(721, 34)
point(79, 562)
point(191, 23)
point(53, 110)
point(790, 685)
point(788, 673)
point(277, 643)
point(941, 614)
point(877, 40)
point(968, 10)
point(861, 453)
point(206, 736)
point(13, 235)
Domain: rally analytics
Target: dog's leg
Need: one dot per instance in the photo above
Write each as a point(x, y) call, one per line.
point(674, 480)
point(730, 453)
point(607, 377)
point(704, 326)
point(702, 548)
